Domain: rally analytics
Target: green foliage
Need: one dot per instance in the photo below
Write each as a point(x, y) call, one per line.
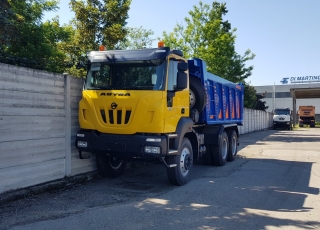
point(34, 43)
point(96, 22)
point(100, 22)
point(261, 105)
point(250, 98)
point(7, 28)
point(137, 38)
point(207, 36)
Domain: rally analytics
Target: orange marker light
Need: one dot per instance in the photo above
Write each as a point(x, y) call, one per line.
point(160, 44)
point(102, 48)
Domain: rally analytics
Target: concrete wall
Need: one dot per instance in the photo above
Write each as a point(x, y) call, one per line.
point(255, 120)
point(36, 139)
point(38, 124)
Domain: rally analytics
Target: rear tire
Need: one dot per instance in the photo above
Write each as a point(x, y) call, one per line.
point(180, 174)
point(109, 166)
point(233, 145)
point(220, 152)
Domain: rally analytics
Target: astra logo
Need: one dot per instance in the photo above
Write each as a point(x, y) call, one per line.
point(114, 105)
point(284, 80)
point(115, 94)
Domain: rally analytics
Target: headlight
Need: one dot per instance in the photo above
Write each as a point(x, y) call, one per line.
point(153, 140)
point(152, 150)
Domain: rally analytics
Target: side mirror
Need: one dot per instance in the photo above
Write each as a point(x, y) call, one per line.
point(182, 81)
point(182, 66)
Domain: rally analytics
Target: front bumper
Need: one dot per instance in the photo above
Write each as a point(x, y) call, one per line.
point(281, 123)
point(127, 146)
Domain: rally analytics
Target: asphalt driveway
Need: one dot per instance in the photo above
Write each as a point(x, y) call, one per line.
point(273, 184)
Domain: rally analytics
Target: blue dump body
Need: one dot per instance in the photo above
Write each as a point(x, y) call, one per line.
point(225, 99)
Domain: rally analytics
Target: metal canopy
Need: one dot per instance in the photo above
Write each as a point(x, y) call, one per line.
point(302, 93)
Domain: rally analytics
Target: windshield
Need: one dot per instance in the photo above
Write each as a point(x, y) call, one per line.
point(282, 112)
point(140, 75)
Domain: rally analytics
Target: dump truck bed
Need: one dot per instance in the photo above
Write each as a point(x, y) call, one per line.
point(225, 99)
point(307, 111)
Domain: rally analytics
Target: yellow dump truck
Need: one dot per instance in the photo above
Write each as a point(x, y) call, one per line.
point(307, 115)
point(152, 104)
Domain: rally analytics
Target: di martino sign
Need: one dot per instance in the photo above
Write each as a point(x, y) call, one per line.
point(306, 79)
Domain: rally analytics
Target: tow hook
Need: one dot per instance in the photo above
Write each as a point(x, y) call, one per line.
point(83, 156)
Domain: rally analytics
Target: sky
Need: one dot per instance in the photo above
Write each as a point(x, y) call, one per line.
point(284, 35)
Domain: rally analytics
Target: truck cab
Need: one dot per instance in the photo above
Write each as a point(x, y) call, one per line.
point(282, 118)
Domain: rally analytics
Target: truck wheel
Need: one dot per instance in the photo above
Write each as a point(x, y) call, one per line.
point(180, 174)
point(109, 166)
point(220, 152)
point(233, 145)
point(198, 95)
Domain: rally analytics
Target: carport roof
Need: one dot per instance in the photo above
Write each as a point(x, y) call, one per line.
point(300, 93)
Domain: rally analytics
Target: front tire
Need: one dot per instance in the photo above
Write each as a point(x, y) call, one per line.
point(109, 166)
point(233, 145)
point(220, 152)
point(180, 174)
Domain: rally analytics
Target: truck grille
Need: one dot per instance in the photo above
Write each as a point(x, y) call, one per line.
point(119, 117)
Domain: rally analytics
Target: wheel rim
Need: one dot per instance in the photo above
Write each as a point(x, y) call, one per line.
point(115, 163)
point(192, 99)
point(233, 145)
point(224, 148)
point(185, 161)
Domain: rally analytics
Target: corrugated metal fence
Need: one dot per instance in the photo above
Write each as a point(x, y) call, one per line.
point(38, 123)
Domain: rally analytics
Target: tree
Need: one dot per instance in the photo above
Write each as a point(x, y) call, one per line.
point(7, 28)
point(137, 38)
point(207, 36)
point(34, 43)
point(250, 98)
point(100, 22)
point(261, 105)
point(96, 23)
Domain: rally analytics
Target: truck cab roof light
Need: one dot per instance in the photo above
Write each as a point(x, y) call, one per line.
point(102, 48)
point(160, 44)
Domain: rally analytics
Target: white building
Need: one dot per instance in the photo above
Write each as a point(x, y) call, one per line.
point(279, 96)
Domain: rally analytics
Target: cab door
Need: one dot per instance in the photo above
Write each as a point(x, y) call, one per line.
point(178, 101)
